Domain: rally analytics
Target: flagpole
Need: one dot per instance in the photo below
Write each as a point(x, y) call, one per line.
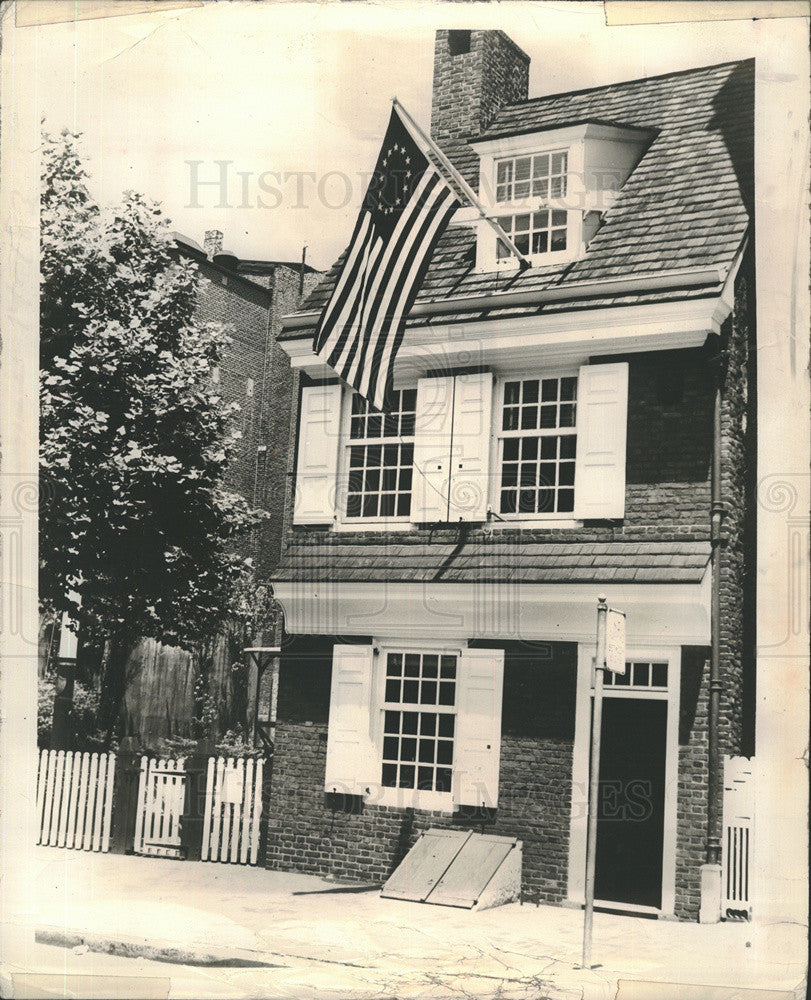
point(417, 134)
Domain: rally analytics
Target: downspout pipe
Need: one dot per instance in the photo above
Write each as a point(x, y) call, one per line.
point(714, 778)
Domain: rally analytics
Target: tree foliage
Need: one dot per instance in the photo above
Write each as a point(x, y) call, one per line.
point(134, 437)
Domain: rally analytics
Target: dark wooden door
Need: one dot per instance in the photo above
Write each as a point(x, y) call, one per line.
point(630, 814)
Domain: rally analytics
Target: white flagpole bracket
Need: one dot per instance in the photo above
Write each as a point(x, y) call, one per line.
point(419, 137)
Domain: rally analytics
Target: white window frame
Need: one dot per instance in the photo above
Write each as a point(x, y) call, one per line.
point(402, 798)
point(342, 522)
point(568, 141)
point(530, 204)
point(565, 519)
point(580, 767)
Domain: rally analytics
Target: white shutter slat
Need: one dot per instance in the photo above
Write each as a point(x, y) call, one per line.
point(352, 758)
point(317, 466)
point(477, 748)
point(602, 417)
point(470, 461)
point(432, 449)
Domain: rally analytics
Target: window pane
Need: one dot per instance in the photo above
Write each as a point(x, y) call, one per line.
point(521, 190)
point(541, 168)
point(558, 239)
point(546, 501)
point(530, 391)
point(392, 690)
point(568, 446)
point(509, 474)
point(508, 502)
point(446, 726)
point(529, 417)
point(353, 505)
point(522, 242)
point(427, 751)
point(408, 749)
point(565, 501)
point(549, 390)
point(659, 675)
point(558, 163)
point(370, 506)
point(567, 415)
point(390, 747)
point(443, 779)
point(522, 223)
point(559, 218)
point(568, 388)
point(444, 754)
point(394, 664)
point(510, 419)
point(566, 474)
point(549, 447)
point(425, 778)
point(410, 723)
point(512, 392)
point(427, 724)
point(504, 171)
point(540, 242)
point(529, 448)
point(412, 665)
point(540, 220)
point(448, 666)
point(549, 416)
point(406, 776)
point(556, 187)
point(540, 188)
point(404, 505)
point(511, 449)
point(428, 693)
point(522, 168)
point(447, 690)
point(392, 722)
point(641, 675)
point(389, 778)
point(430, 665)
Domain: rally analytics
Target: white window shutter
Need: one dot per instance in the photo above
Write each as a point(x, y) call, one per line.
point(352, 758)
point(477, 747)
point(317, 467)
point(602, 417)
point(470, 461)
point(432, 449)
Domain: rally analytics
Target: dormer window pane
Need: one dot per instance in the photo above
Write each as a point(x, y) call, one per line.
point(540, 187)
point(522, 223)
point(541, 166)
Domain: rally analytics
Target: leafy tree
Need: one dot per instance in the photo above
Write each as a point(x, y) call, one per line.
point(134, 437)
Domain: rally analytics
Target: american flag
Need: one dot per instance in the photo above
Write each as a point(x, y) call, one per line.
point(405, 210)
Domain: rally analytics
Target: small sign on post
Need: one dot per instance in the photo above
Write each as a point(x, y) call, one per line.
point(615, 641)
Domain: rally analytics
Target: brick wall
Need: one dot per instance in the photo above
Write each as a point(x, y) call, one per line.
point(470, 86)
point(669, 453)
point(309, 831)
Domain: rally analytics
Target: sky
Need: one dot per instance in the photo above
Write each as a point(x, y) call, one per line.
point(261, 119)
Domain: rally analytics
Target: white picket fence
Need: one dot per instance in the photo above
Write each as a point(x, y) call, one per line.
point(233, 809)
point(738, 829)
point(74, 799)
point(75, 794)
point(161, 795)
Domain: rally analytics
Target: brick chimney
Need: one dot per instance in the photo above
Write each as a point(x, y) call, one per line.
point(475, 74)
point(212, 244)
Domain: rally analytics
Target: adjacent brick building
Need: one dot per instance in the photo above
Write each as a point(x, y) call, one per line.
point(248, 297)
point(551, 436)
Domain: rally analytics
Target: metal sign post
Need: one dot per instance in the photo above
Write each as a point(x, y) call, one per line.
point(610, 656)
point(594, 778)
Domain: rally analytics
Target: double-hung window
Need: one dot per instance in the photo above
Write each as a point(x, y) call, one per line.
point(380, 458)
point(419, 720)
point(537, 445)
point(525, 183)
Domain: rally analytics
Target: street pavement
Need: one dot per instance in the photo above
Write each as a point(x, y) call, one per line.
point(155, 927)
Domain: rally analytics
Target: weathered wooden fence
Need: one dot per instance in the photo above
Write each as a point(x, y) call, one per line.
point(233, 807)
point(737, 837)
point(77, 801)
point(74, 799)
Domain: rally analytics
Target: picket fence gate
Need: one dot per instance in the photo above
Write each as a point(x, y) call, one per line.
point(161, 797)
point(74, 799)
point(233, 808)
point(736, 847)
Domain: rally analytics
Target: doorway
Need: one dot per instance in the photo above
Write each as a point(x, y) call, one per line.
point(631, 802)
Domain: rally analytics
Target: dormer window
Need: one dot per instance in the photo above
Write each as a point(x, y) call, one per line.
point(548, 189)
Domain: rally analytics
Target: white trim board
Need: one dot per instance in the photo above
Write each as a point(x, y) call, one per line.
point(520, 343)
point(666, 613)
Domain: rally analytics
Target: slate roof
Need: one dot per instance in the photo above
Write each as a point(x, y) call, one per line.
point(496, 558)
point(687, 204)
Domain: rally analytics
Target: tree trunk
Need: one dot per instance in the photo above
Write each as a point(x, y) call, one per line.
point(113, 687)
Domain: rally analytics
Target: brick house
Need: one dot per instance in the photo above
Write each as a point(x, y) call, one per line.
point(248, 297)
point(584, 426)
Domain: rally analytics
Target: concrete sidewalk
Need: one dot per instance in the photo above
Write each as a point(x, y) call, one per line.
point(290, 935)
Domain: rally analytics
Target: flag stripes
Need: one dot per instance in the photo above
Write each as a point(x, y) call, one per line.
point(406, 210)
